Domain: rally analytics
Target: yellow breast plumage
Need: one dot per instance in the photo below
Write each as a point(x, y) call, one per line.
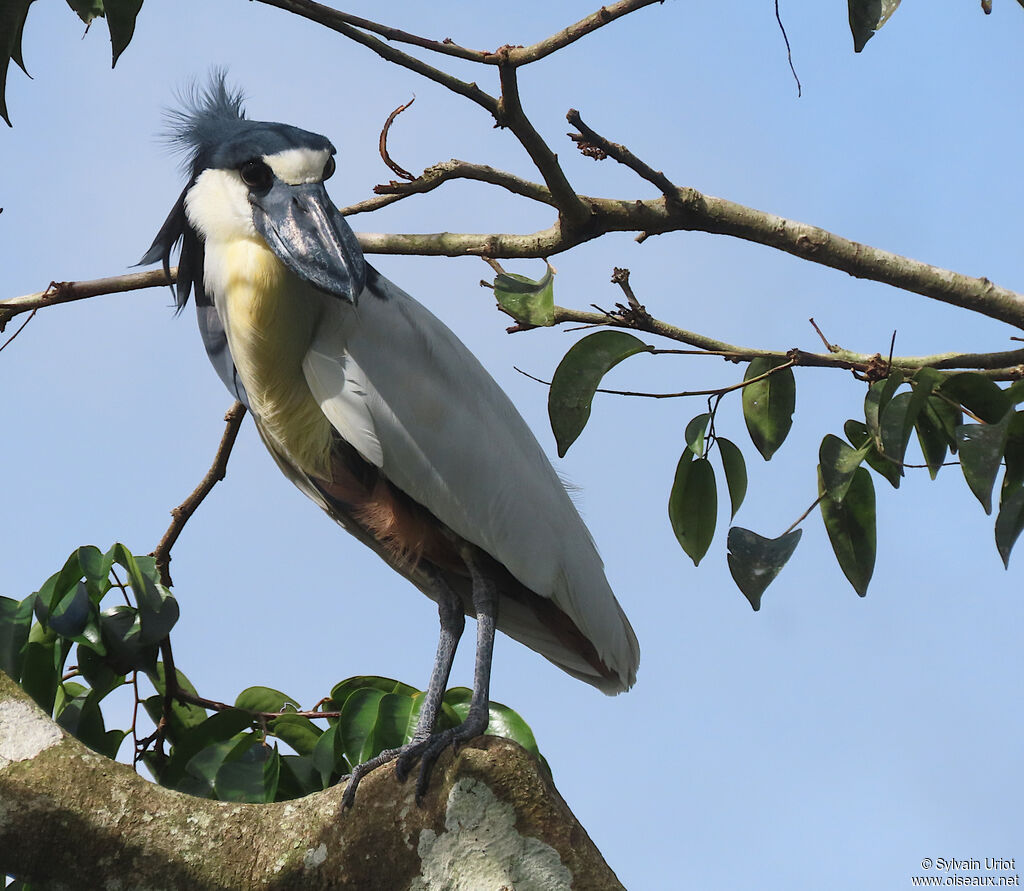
point(270, 317)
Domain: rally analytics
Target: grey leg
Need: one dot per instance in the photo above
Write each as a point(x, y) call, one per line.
point(485, 602)
point(453, 621)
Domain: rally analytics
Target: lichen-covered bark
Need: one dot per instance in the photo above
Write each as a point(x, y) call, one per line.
point(71, 819)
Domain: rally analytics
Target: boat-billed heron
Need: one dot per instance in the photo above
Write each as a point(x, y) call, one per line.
point(378, 413)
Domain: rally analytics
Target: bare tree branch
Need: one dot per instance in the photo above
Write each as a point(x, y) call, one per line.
point(181, 514)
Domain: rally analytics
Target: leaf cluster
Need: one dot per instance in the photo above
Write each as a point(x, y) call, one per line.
point(233, 754)
point(929, 404)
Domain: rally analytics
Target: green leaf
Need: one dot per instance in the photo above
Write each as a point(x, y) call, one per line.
point(298, 778)
point(1013, 454)
point(121, 15)
point(297, 731)
point(251, 777)
point(850, 524)
point(980, 395)
point(264, 699)
point(122, 636)
point(981, 456)
point(755, 561)
point(693, 505)
point(329, 756)
point(87, 10)
point(15, 622)
point(527, 300)
point(866, 17)
point(394, 724)
point(735, 472)
point(876, 400)
point(577, 377)
point(101, 677)
point(80, 716)
point(12, 25)
point(217, 728)
point(502, 720)
point(1009, 523)
point(357, 722)
point(694, 433)
point(898, 423)
point(184, 716)
point(935, 427)
point(838, 464)
point(768, 405)
point(157, 609)
point(860, 436)
point(40, 670)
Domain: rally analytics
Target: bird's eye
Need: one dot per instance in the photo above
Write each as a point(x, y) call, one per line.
point(329, 168)
point(256, 174)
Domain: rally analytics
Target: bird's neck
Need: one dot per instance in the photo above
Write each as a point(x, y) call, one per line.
point(270, 317)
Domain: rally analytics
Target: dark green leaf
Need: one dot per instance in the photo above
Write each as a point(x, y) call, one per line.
point(183, 716)
point(502, 720)
point(121, 630)
point(298, 778)
point(121, 16)
point(15, 622)
point(850, 524)
point(693, 505)
point(1013, 454)
point(878, 397)
point(1009, 523)
point(839, 463)
point(344, 689)
point(264, 699)
point(735, 472)
point(12, 25)
point(357, 722)
point(980, 395)
point(981, 456)
point(935, 427)
point(768, 405)
point(577, 377)
point(87, 10)
point(694, 433)
point(866, 17)
point(217, 728)
point(329, 756)
point(394, 724)
point(527, 300)
point(859, 435)
point(755, 561)
point(252, 777)
point(898, 423)
point(299, 732)
point(80, 716)
point(101, 677)
point(40, 669)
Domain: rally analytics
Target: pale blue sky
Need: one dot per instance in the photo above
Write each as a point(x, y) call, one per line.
point(826, 741)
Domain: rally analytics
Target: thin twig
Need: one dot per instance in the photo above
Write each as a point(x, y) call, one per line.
point(831, 347)
point(21, 328)
point(804, 515)
point(789, 52)
point(718, 391)
point(181, 514)
point(572, 211)
point(623, 155)
point(383, 142)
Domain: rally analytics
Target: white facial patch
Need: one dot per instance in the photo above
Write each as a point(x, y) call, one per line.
point(218, 206)
point(298, 165)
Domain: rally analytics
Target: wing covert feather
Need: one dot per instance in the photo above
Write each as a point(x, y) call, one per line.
point(407, 394)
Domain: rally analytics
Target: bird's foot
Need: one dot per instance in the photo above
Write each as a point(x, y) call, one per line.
point(426, 751)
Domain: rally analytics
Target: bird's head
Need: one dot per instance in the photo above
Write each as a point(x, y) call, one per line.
point(255, 179)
